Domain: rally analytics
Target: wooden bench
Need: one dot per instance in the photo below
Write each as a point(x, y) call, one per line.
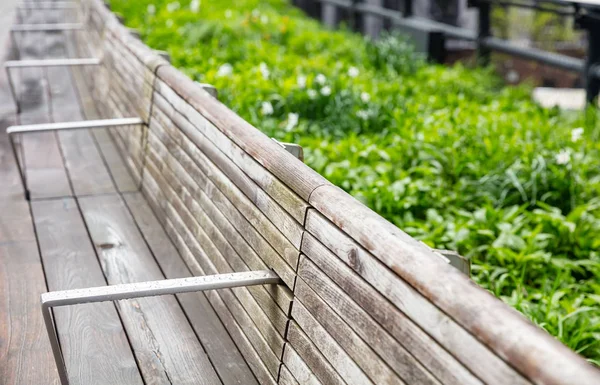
point(195, 191)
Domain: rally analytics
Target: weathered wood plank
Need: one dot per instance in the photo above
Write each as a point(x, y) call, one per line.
point(284, 196)
point(217, 343)
point(182, 130)
point(292, 172)
point(25, 354)
point(286, 378)
point(365, 352)
point(425, 349)
point(164, 355)
point(462, 345)
point(219, 229)
point(513, 338)
point(297, 368)
point(311, 356)
point(335, 354)
point(216, 260)
point(250, 223)
point(259, 355)
point(92, 338)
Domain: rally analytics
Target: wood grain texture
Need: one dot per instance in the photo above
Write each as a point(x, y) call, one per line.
point(214, 163)
point(43, 163)
point(275, 250)
point(92, 338)
point(222, 351)
point(425, 349)
point(313, 359)
point(225, 235)
point(462, 345)
point(178, 110)
point(165, 345)
point(252, 351)
point(526, 347)
point(298, 369)
point(286, 377)
point(25, 354)
point(374, 351)
point(343, 363)
point(292, 172)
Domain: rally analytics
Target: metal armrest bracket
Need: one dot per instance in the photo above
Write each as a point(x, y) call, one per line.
point(142, 289)
point(42, 63)
point(43, 127)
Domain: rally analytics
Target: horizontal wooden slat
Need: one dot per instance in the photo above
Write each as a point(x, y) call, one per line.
point(290, 228)
point(311, 360)
point(236, 207)
point(369, 341)
point(528, 348)
point(177, 109)
point(292, 172)
point(466, 348)
point(363, 301)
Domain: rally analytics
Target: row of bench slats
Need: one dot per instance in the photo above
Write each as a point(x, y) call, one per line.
point(163, 355)
point(222, 190)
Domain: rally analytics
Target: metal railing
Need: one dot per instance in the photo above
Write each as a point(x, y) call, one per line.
point(586, 14)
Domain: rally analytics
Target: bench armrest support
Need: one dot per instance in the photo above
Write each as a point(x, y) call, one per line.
point(85, 124)
point(142, 289)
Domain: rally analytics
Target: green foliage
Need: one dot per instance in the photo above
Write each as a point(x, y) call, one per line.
point(447, 154)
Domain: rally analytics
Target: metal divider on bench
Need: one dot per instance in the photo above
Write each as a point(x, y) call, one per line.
point(142, 289)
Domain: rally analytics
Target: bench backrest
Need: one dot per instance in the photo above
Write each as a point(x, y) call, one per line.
point(361, 301)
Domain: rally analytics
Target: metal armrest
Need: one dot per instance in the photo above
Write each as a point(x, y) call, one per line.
point(43, 127)
point(42, 63)
point(142, 289)
point(45, 27)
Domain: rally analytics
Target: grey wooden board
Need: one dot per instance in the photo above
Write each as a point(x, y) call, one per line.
point(80, 151)
point(221, 350)
point(46, 175)
point(25, 354)
point(425, 349)
point(165, 345)
point(92, 338)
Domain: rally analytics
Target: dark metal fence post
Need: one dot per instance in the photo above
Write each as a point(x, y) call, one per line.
point(408, 8)
point(485, 30)
point(592, 63)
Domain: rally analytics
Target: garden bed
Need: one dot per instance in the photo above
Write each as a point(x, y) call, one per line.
point(447, 154)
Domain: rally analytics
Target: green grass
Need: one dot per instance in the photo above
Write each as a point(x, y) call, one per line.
point(447, 154)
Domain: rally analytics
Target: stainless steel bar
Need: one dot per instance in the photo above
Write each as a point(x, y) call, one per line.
point(83, 124)
point(45, 27)
point(52, 62)
point(142, 289)
point(20, 167)
point(41, 63)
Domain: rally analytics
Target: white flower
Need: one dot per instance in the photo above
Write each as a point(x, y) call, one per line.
point(151, 9)
point(365, 97)
point(266, 108)
point(169, 23)
point(264, 70)
point(292, 121)
point(321, 79)
point(311, 94)
point(172, 7)
point(326, 91)
point(228, 13)
point(301, 81)
point(364, 115)
point(255, 13)
point(563, 157)
point(576, 134)
point(225, 70)
point(195, 6)
point(353, 72)
point(264, 19)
